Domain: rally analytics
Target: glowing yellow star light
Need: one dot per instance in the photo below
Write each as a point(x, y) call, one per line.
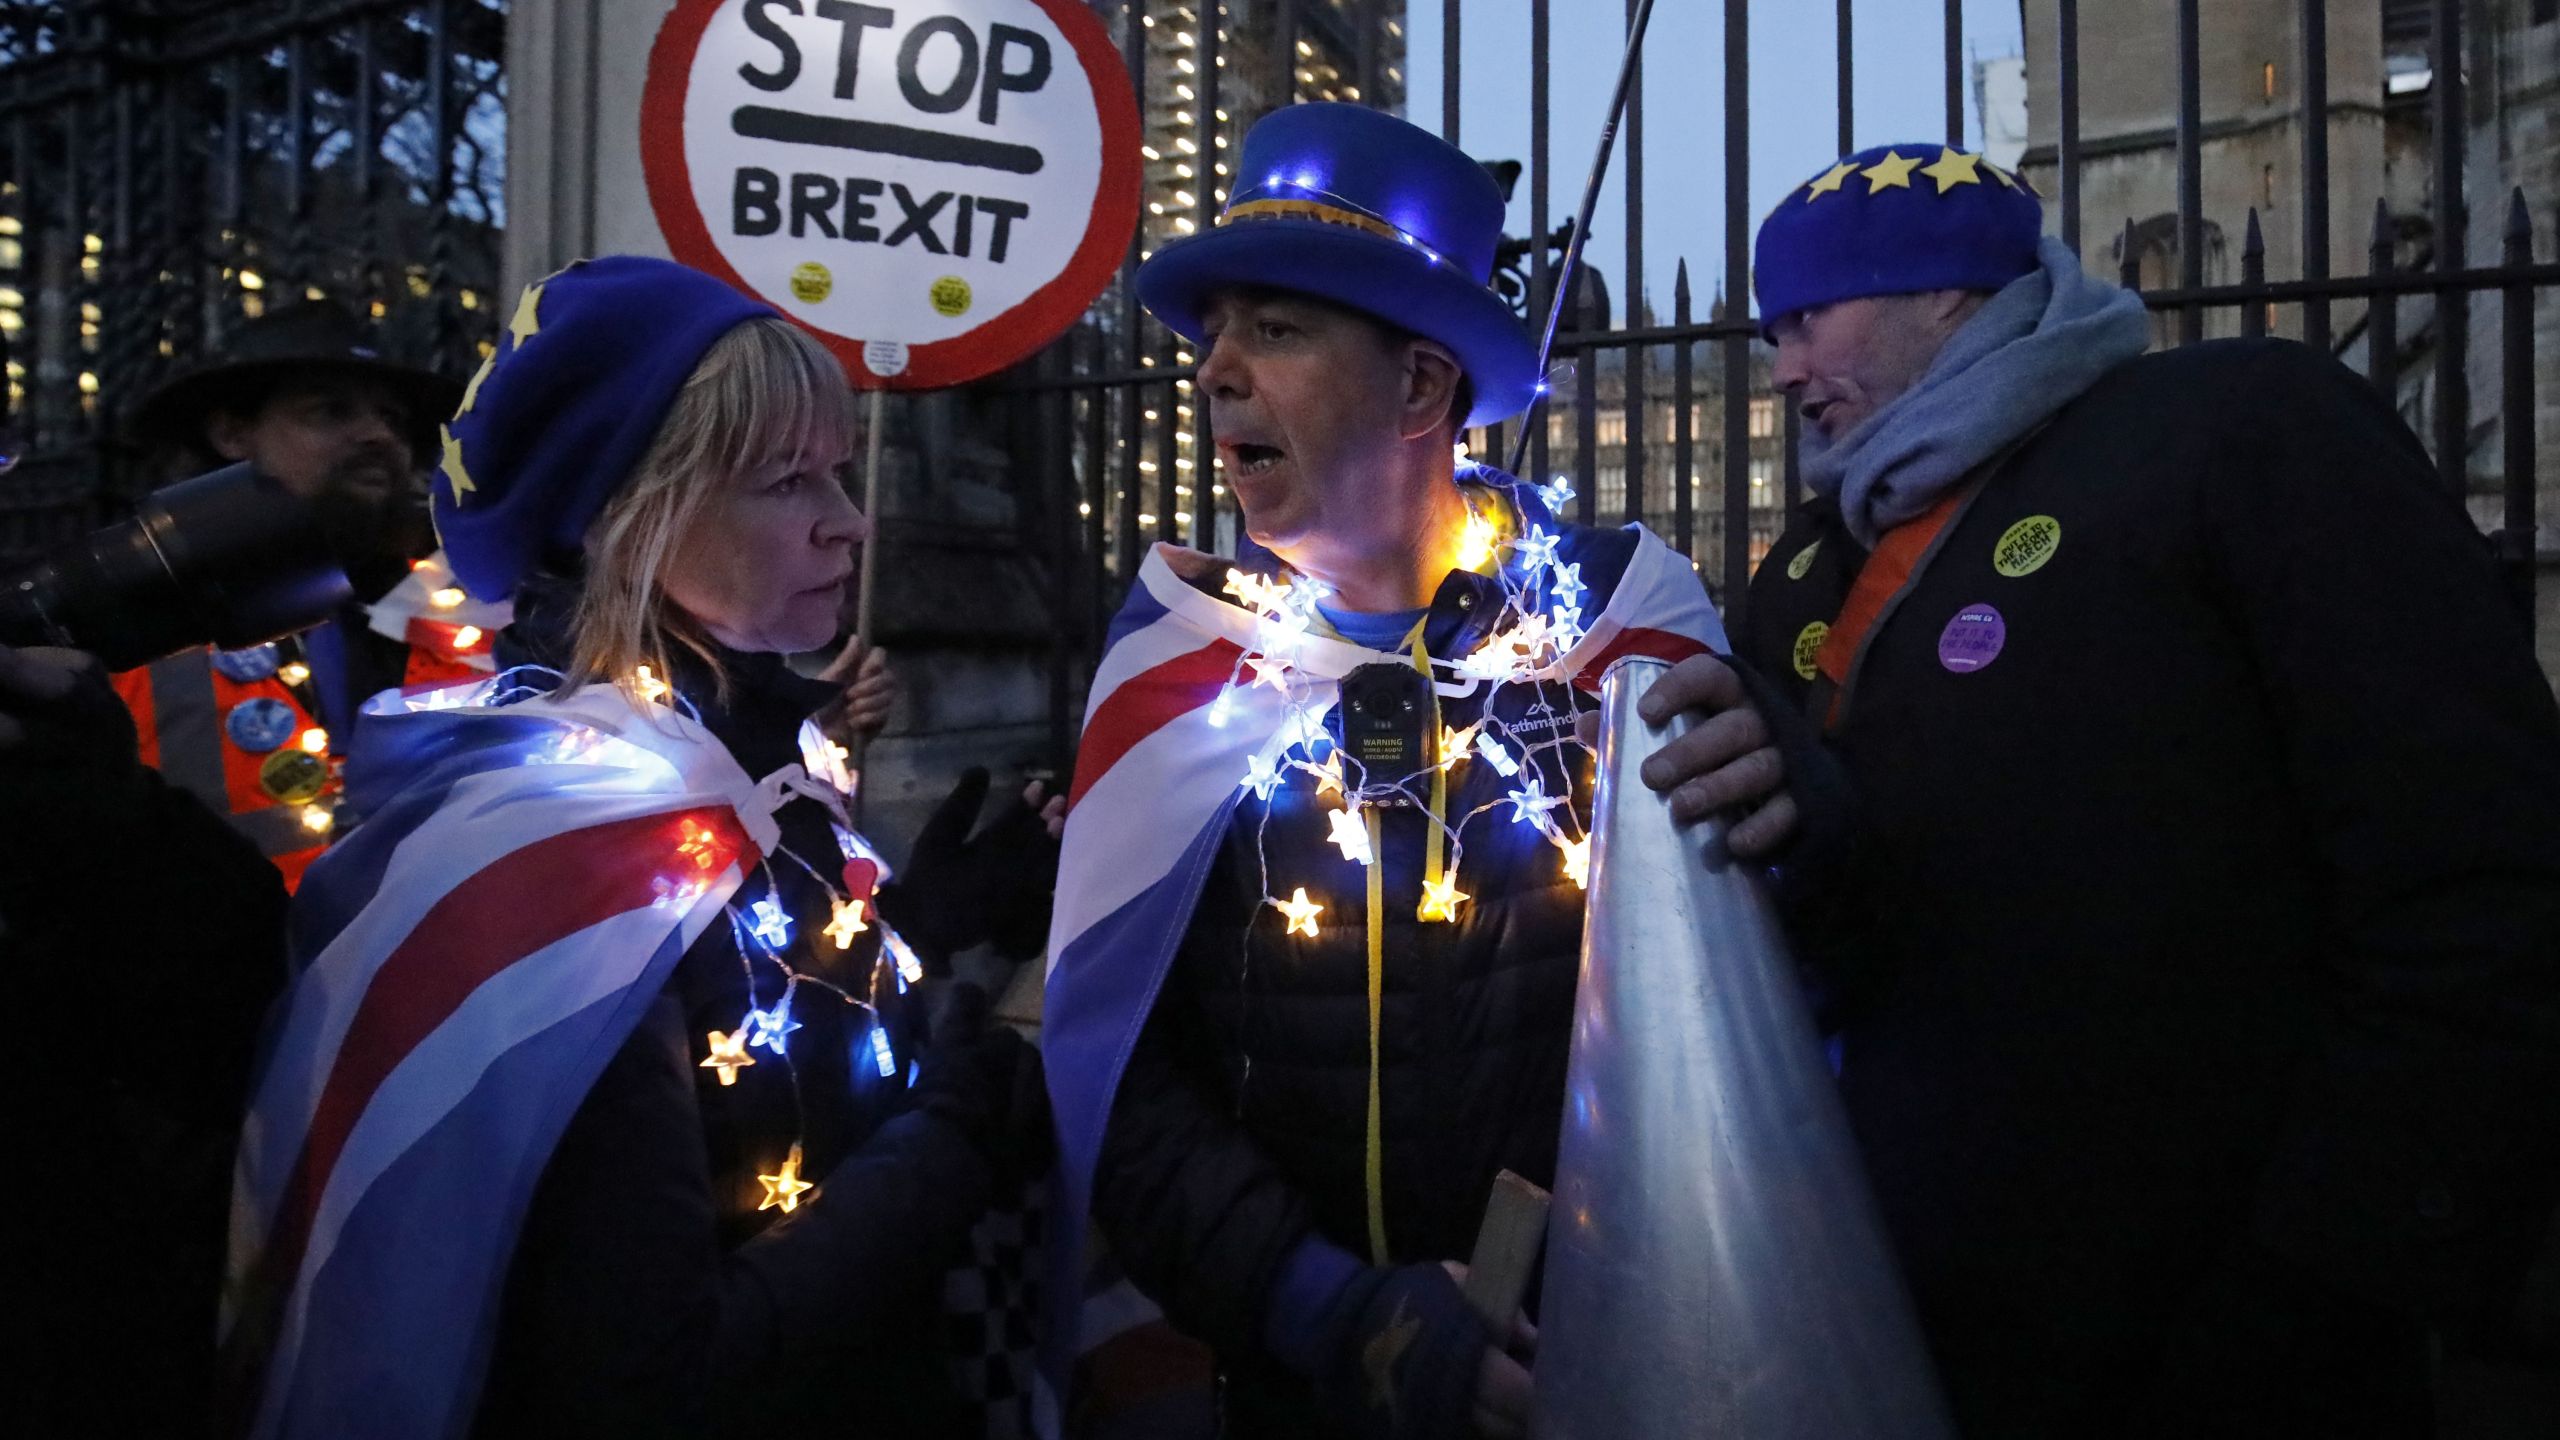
point(1577, 860)
point(315, 741)
point(294, 673)
point(1301, 911)
point(1453, 745)
point(649, 685)
point(1351, 835)
point(846, 924)
point(783, 1191)
point(1954, 168)
point(1268, 671)
point(1890, 171)
point(728, 1055)
point(317, 820)
point(1829, 181)
point(1329, 775)
point(466, 637)
point(453, 467)
point(1440, 898)
point(1475, 546)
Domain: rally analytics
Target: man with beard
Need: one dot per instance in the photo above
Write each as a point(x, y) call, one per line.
point(306, 396)
point(2194, 964)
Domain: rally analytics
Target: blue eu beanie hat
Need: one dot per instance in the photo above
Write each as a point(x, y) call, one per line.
point(1895, 220)
point(564, 408)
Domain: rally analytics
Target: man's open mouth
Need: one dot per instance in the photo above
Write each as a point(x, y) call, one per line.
point(1253, 459)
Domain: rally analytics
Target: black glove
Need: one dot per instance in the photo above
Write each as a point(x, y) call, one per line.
point(58, 714)
point(1401, 1356)
point(960, 890)
point(984, 1078)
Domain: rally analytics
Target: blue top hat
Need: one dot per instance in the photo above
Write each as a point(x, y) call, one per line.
point(566, 406)
point(1895, 220)
point(1355, 206)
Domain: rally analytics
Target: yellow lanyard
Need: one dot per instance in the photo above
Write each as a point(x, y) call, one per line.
point(1377, 1147)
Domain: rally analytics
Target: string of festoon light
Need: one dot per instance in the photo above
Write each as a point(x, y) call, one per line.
point(1541, 622)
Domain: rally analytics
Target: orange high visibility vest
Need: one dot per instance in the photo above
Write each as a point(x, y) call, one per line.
point(179, 707)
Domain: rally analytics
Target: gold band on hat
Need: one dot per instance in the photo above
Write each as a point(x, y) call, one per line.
point(1315, 210)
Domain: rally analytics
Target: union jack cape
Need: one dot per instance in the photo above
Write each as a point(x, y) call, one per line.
point(465, 963)
point(1165, 746)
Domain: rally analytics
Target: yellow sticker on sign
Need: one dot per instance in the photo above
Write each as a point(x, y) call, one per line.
point(2026, 546)
point(1808, 646)
point(950, 296)
point(811, 283)
point(1803, 561)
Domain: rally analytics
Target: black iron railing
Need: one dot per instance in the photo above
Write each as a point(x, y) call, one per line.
point(1123, 455)
point(170, 168)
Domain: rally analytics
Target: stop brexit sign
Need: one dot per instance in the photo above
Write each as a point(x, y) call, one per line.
point(935, 187)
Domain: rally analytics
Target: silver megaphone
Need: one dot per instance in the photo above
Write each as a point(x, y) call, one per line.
point(1715, 1265)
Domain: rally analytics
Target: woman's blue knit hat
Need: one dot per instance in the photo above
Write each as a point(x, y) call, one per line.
point(1358, 207)
point(1895, 220)
point(564, 408)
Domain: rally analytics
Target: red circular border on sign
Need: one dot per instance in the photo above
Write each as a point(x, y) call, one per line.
point(999, 341)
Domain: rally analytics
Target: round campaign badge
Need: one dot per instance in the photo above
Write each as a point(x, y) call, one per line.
point(259, 724)
point(2026, 546)
point(293, 777)
point(247, 667)
point(811, 282)
point(1972, 639)
point(1803, 562)
point(1809, 648)
point(950, 296)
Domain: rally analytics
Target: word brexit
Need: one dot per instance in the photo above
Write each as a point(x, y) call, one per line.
point(942, 65)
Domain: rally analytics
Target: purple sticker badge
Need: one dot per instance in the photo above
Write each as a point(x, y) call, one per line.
point(1972, 639)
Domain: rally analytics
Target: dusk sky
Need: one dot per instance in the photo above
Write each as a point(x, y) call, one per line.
point(1898, 78)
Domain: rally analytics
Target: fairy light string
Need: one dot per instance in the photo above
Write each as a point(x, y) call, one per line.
point(1540, 622)
point(764, 931)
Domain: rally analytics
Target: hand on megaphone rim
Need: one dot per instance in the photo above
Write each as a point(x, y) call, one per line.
point(1727, 760)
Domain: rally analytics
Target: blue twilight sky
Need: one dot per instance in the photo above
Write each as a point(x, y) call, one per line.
point(1898, 60)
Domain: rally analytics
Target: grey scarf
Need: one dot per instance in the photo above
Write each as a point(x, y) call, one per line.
point(2046, 337)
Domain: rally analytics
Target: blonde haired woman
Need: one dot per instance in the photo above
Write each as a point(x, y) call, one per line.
point(595, 1104)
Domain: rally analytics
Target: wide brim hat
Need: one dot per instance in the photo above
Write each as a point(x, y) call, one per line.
point(1355, 206)
point(308, 336)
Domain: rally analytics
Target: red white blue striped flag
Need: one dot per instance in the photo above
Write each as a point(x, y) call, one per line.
point(466, 961)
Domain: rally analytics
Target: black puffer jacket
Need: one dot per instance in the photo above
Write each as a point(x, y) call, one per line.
point(1241, 1121)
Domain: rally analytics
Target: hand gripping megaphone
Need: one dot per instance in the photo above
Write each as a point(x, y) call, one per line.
point(1715, 1264)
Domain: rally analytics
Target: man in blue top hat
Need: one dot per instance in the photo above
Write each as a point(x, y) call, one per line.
point(1321, 902)
point(2195, 968)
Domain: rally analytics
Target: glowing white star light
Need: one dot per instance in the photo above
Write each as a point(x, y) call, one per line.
point(1351, 835)
point(769, 924)
point(1262, 776)
point(1531, 801)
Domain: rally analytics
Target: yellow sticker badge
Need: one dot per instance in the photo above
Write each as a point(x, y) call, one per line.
point(1809, 645)
point(1803, 562)
point(950, 296)
point(811, 283)
point(2025, 546)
